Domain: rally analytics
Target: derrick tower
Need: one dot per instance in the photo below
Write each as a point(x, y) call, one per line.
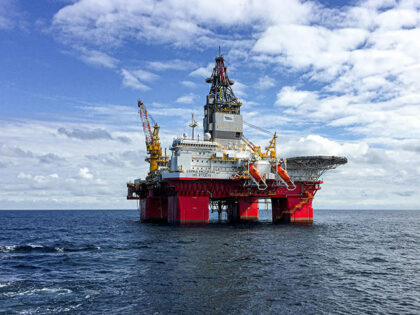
point(222, 121)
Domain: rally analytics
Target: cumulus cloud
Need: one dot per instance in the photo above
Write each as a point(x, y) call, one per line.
point(289, 96)
point(204, 72)
point(175, 64)
point(239, 88)
point(14, 151)
point(51, 158)
point(85, 173)
point(38, 179)
point(187, 99)
point(85, 134)
point(128, 158)
point(136, 79)
point(11, 15)
point(91, 134)
point(265, 82)
point(174, 22)
point(97, 58)
point(189, 84)
point(49, 171)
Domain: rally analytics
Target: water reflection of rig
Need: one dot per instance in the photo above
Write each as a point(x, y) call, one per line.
point(224, 171)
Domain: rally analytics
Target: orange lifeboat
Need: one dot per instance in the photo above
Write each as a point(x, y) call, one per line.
point(254, 172)
point(283, 174)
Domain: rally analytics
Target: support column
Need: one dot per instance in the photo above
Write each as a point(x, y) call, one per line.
point(304, 214)
point(232, 210)
point(188, 209)
point(294, 210)
point(279, 210)
point(248, 209)
point(154, 209)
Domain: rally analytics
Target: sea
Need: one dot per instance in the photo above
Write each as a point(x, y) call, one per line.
point(107, 262)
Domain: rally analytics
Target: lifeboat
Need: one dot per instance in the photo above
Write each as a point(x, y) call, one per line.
point(283, 174)
point(254, 173)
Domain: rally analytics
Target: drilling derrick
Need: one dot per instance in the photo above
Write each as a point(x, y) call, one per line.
point(222, 117)
point(224, 171)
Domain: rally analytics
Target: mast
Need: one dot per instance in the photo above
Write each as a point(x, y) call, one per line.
point(222, 116)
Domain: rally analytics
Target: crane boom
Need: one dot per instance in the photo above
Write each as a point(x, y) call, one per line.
point(153, 147)
point(270, 149)
point(254, 148)
point(258, 128)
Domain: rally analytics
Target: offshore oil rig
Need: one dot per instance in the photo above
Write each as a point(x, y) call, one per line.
point(224, 171)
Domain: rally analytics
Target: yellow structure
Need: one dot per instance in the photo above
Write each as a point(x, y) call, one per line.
point(270, 151)
point(153, 147)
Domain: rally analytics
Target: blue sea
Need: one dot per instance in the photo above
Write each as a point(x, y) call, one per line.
point(96, 262)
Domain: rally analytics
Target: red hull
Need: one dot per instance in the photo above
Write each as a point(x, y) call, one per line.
point(186, 201)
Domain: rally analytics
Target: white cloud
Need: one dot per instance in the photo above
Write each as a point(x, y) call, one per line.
point(289, 96)
point(136, 79)
point(303, 46)
point(189, 84)
point(175, 22)
point(24, 176)
point(144, 75)
point(239, 88)
point(37, 151)
point(11, 16)
point(187, 99)
point(97, 58)
point(38, 179)
point(265, 82)
point(204, 72)
point(91, 134)
point(175, 64)
point(85, 173)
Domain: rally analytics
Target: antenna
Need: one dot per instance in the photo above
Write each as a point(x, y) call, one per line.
point(219, 51)
point(193, 124)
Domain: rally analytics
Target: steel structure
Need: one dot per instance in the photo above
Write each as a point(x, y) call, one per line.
point(224, 171)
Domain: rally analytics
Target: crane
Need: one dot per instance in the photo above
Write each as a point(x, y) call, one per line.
point(153, 147)
point(252, 146)
point(270, 150)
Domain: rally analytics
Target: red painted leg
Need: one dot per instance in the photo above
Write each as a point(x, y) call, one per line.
point(154, 209)
point(248, 209)
point(303, 215)
point(188, 209)
point(294, 210)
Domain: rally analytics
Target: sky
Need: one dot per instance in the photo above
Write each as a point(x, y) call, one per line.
point(330, 77)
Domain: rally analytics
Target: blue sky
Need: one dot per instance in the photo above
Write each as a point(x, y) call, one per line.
point(332, 78)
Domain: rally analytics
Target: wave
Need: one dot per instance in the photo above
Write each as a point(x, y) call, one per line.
point(57, 291)
point(45, 249)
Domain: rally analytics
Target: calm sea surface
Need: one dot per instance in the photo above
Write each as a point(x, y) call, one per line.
point(106, 261)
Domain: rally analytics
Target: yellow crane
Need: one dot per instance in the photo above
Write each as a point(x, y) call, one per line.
point(270, 150)
point(153, 147)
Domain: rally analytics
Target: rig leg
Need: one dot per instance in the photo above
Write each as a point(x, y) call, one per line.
point(154, 209)
point(188, 209)
point(303, 215)
point(292, 210)
point(232, 210)
point(248, 209)
point(279, 210)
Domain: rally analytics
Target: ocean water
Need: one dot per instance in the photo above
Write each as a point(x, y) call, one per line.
point(82, 262)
